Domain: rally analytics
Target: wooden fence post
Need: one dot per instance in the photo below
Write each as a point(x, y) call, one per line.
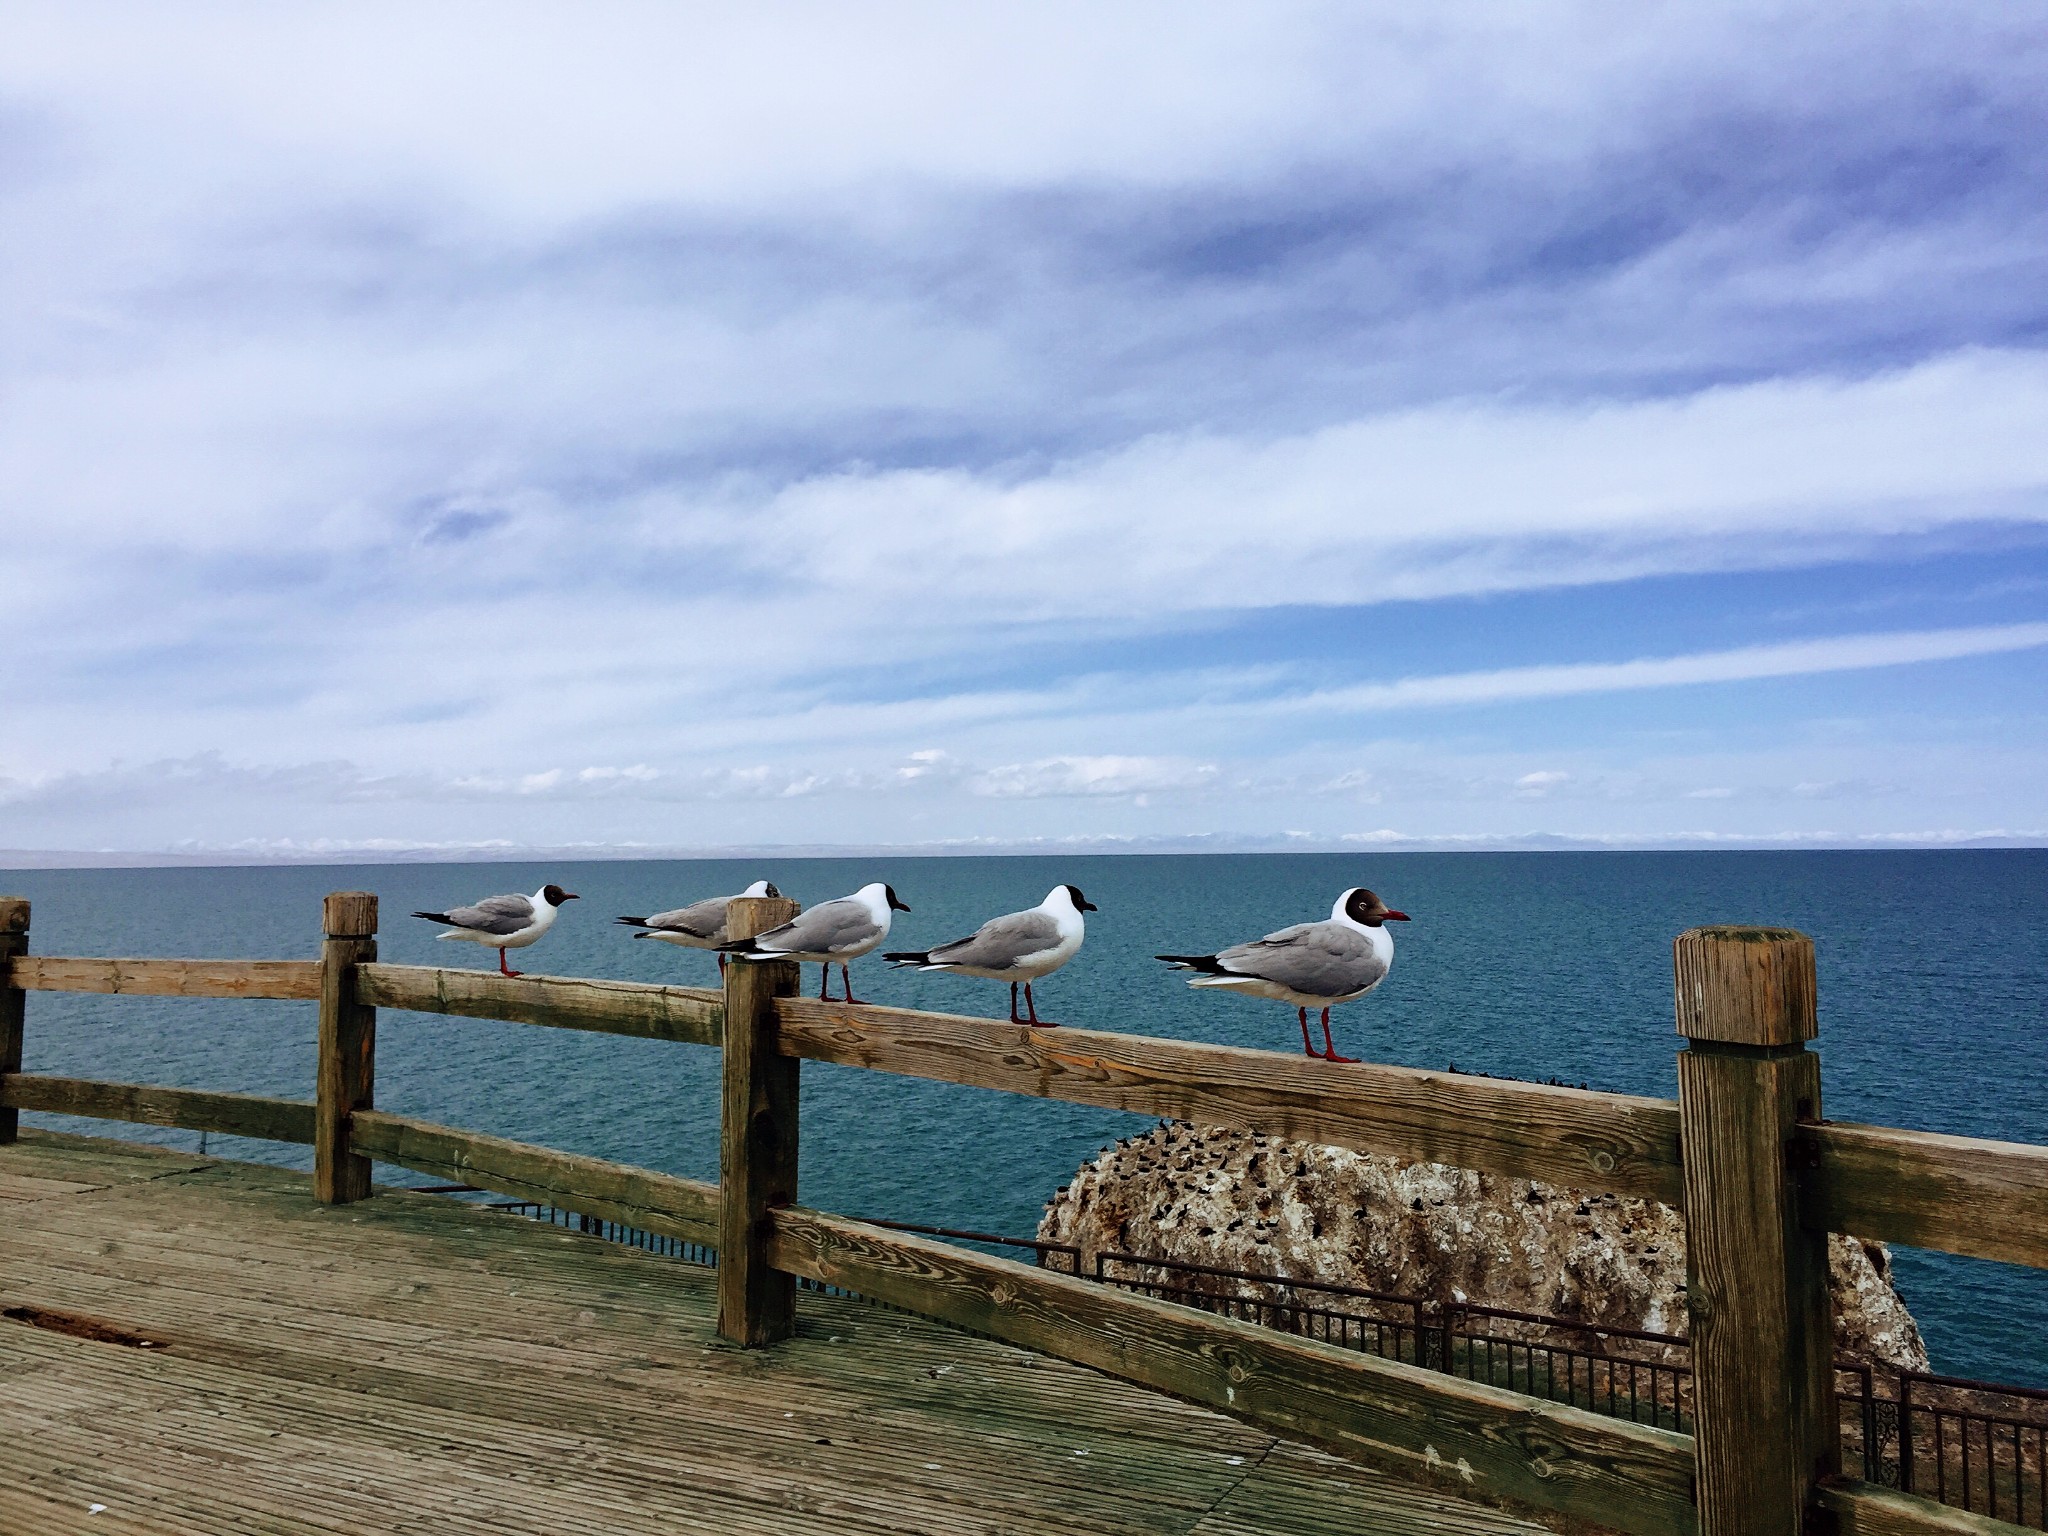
point(348, 1047)
point(1765, 1428)
point(13, 1002)
point(757, 1145)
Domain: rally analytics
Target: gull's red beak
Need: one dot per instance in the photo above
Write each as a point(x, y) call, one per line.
point(1391, 916)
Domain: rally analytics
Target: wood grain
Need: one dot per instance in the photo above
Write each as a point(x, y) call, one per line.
point(1765, 1421)
point(694, 1015)
point(1987, 1199)
point(1756, 1294)
point(14, 915)
point(1594, 1141)
point(634, 1197)
point(346, 1068)
point(1746, 986)
point(414, 1363)
point(1863, 1509)
point(288, 980)
point(757, 1145)
point(1476, 1438)
point(193, 1109)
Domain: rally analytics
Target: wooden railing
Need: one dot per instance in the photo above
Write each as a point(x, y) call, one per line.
point(1744, 1151)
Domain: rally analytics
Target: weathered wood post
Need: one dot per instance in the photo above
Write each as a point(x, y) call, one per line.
point(348, 1047)
point(13, 1002)
point(1756, 1280)
point(757, 1145)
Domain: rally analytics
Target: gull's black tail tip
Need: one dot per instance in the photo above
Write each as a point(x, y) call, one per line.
point(908, 957)
point(1204, 963)
point(436, 917)
point(637, 922)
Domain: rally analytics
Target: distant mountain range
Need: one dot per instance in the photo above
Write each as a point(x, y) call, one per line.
point(1376, 842)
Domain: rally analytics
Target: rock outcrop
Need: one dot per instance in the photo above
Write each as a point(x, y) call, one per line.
point(1241, 1201)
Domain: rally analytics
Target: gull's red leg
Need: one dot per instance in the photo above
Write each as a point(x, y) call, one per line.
point(846, 984)
point(503, 966)
point(1032, 1004)
point(1329, 1045)
point(824, 975)
point(1307, 1044)
point(1014, 1018)
point(721, 967)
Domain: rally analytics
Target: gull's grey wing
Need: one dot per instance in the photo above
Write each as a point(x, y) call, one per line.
point(494, 914)
point(1001, 941)
point(1314, 959)
point(826, 929)
point(700, 919)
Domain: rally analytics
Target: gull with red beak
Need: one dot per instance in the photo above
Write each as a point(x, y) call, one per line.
point(1312, 965)
point(828, 935)
point(504, 922)
point(1019, 947)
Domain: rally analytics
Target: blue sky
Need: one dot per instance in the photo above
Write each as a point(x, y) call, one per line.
point(652, 426)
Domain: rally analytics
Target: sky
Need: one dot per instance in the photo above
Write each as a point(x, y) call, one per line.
point(614, 426)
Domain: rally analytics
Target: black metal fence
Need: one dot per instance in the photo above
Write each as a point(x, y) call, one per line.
point(1395, 1327)
point(1975, 1445)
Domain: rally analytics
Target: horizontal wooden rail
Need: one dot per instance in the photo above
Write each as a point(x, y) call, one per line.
point(1476, 1438)
point(591, 1186)
point(1987, 1199)
point(694, 1015)
point(191, 1109)
point(292, 980)
point(1864, 1509)
point(1596, 1141)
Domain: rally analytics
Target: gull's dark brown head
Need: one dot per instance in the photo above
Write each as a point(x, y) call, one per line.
point(1362, 906)
point(889, 892)
point(1081, 903)
point(554, 895)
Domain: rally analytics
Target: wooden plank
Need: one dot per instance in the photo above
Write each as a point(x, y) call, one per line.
point(1592, 1141)
point(693, 1015)
point(480, 1374)
point(1863, 1509)
point(347, 1061)
point(1987, 1199)
point(757, 1142)
point(192, 1109)
point(14, 915)
point(1480, 1439)
point(288, 980)
point(1756, 1278)
point(635, 1197)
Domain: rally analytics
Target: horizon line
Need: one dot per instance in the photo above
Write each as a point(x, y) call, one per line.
point(243, 856)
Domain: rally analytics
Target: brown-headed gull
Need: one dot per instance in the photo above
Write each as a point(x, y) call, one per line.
point(504, 922)
point(832, 933)
point(1312, 965)
point(1017, 947)
point(700, 925)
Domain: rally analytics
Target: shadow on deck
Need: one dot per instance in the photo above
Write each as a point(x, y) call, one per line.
point(412, 1364)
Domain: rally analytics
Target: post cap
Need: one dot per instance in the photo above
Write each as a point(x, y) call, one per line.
point(746, 916)
point(349, 915)
point(13, 914)
point(1745, 986)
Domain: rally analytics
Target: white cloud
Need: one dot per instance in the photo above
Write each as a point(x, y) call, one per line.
point(669, 407)
point(1109, 775)
point(1795, 658)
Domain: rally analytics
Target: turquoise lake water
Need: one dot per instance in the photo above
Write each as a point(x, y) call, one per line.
point(1933, 971)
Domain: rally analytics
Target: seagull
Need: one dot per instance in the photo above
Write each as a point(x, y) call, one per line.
point(1312, 965)
point(1019, 946)
point(837, 931)
point(504, 922)
point(700, 925)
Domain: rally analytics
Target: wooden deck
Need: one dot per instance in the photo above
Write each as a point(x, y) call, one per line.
point(411, 1365)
